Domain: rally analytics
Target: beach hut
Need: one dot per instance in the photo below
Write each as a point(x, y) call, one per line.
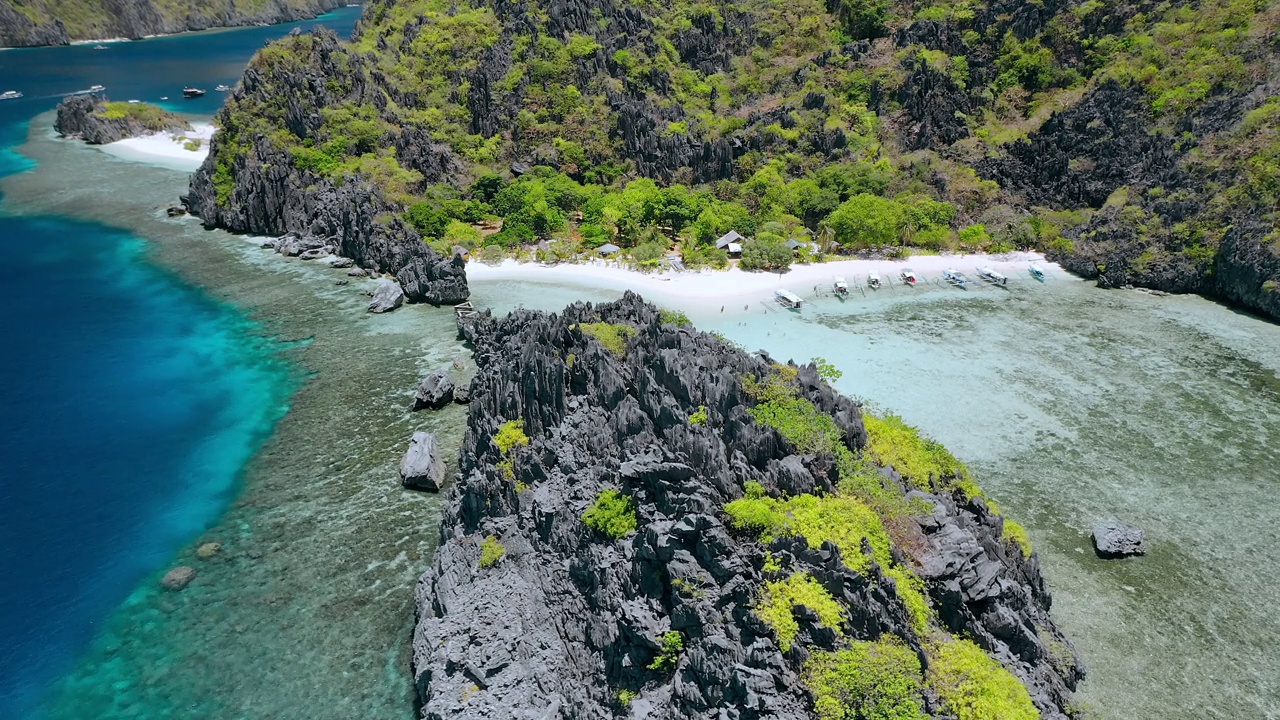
point(728, 240)
point(608, 249)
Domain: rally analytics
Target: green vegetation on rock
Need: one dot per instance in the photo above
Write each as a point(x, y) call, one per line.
point(973, 686)
point(779, 598)
point(612, 514)
point(510, 435)
point(612, 336)
point(669, 656)
point(867, 681)
point(491, 551)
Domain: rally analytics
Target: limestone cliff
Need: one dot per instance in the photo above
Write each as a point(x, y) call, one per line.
point(680, 612)
point(59, 22)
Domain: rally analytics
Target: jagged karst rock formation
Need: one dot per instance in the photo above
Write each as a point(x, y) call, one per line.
point(263, 191)
point(53, 22)
point(422, 468)
point(88, 117)
point(567, 622)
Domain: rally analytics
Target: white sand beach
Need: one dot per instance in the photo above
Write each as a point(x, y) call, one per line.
point(735, 284)
point(165, 149)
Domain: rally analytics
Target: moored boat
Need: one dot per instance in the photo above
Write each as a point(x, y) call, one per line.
point(873, 280)
point(956, 278)
point(223, 88)
point(992, 276)
point(788, 299)
point(1036, 272)
point(841, 288)
point(190, 92)
point(99, 47)
point(909, 277)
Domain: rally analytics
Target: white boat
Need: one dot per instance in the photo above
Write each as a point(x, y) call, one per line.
point(164, 97)
point(909, 277)
point(841, 287)
point(223, 88)
point(873, 280)
point(788, 299)
point(10, 95)
point(992, 276)
point(956, 278)
point(134, 102)
point(97, 88)
point(99, 47)
point(1036, 272)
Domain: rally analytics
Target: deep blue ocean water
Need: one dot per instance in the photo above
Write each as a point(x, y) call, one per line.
point(131, 401)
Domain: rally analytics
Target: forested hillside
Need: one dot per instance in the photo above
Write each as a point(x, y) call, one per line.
point(1135, 141)
point(58, 22)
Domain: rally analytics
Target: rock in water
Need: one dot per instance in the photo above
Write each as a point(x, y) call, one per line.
point(462, 395)
point(575, 618)
point(1113, 540)
point(422, 468)
point(435, 391)
point(178, 578)
point(387, 297)
point(87, 117)
point(208, 550)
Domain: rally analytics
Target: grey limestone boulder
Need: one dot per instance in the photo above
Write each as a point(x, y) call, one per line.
point(178, 578)
point(422, 468)
point(1113, 540)
point(435, 391)
point(387, 297)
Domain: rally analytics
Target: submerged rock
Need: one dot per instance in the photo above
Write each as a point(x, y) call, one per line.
point(208, 550)
point(1113, 540)
point(435, 391)
point(422, 468)
point(572, 619)
point(387, 297)
point(178, 578)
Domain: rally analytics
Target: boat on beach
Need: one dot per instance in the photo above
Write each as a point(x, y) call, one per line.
point(908, 277)
point(956, 278)
point(841, 287)
point(873, 280)
point(1036, 272)
point(10, 95)
point(991, 276)
point(190, 92)
point(788, 299)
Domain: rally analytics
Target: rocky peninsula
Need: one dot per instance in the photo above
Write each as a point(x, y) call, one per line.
point(98, 121)
point(651, 522)
point(31, 24)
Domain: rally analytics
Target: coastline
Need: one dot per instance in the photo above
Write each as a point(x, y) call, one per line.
point(164, 149)
point(737, 284)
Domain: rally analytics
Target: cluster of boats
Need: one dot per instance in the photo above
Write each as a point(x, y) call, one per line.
point(840, 286)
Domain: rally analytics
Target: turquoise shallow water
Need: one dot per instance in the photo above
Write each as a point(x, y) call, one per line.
point(1075, 405)
point(132, 400)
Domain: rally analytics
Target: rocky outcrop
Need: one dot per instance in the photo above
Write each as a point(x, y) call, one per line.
point(422, 467)
point(87, 117)
point(1113, 540)
point(251, 184)
point(178, 578)
point(435, 391)
point(61, 25)
point(569, 620)
point(387, 296)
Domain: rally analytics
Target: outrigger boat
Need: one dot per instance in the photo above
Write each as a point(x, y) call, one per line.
point(1036, 272)
point(223, 88)
point(992, 276)
point(956, 278)
point(909, 277)
point(841, 288)
point(190, 92)
point(873, 280)
point(788, 299)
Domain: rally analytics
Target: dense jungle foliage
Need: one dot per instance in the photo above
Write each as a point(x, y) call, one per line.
point(847, 124)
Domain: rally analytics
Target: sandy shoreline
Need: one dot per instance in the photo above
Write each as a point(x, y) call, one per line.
point(164, 149)
point(735, 284)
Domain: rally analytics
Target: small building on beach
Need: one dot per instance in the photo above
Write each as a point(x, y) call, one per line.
point(608, 249)
point(730, 238)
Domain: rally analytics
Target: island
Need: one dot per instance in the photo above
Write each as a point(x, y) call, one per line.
point(651, 522)
point(99, 121)
point(48, 22)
